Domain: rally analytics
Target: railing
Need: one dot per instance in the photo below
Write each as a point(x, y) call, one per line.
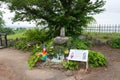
point(103, 28)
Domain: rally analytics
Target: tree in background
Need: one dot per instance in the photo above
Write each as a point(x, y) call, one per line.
point(1, 20)
point(73, 15)
point(2, 28)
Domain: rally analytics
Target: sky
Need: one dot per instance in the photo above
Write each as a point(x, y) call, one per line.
point(111, 15)
point(8, 15)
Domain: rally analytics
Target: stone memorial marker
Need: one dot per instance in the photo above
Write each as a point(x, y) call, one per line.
point(62, 32)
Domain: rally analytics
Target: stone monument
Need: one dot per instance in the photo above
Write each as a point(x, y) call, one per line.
point(62, 32)
point(61, 39)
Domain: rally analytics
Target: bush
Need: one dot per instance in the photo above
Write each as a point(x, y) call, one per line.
point(6, 30)
point(115, 43)
point(96, 59)
point(32, 60)
point(21, 44)
point(79, 44)
point(71, 65)
point(20, 29)
point(36, 35)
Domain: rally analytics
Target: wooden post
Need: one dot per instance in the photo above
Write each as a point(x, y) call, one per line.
point(99, 28)
point(87, 66)
point(5, 36)
point(0, 40)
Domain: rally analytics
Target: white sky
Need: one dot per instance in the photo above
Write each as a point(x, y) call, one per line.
point(112, 13)
point(110, 16)
point(7, 17)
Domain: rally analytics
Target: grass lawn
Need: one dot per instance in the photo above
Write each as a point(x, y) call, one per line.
point(102, 36)
point(16, 35)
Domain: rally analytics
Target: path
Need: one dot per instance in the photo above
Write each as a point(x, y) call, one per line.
point(112, 72)
point(13, 66)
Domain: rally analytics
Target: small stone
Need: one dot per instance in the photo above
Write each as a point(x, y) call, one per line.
point(69, 73)
point(105, 69)
point(70, 78)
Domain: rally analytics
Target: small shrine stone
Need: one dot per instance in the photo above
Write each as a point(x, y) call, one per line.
point(62, 32)
point(68, 73)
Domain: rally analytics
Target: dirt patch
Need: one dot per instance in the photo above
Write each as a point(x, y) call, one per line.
point(6, 73)
point(112, 71)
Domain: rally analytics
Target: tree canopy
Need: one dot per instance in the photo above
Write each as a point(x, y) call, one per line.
point(73, 15)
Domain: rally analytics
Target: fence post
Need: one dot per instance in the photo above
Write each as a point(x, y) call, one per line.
point(0, 40)
point(5, 40)
point(119, 28)
point(99, 28)
point(116, 28)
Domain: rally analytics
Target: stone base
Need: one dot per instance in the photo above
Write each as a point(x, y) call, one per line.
point(60, 40)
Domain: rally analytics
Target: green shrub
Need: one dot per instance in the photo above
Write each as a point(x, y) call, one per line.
point(96, 59)
point(32, 60)
point(20, 29)
point(115, 43)
point(36, 48)
point(6, 30)
point(21, 44)
point(36, 35)
point(17, 35)
point(71, 65)
point(79, 44)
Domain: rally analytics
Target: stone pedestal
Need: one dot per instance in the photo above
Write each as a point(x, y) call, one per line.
point(60, 40)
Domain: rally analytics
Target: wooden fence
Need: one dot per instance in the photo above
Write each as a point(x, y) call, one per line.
point(103, 28)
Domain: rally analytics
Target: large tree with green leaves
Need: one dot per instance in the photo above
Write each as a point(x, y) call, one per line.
point(73, 15)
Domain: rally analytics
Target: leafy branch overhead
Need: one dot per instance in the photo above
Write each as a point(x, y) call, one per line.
point(71, 14)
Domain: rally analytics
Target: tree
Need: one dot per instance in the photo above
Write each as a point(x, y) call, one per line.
point(73, 15)
point(1, 20)
point(2, 28)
